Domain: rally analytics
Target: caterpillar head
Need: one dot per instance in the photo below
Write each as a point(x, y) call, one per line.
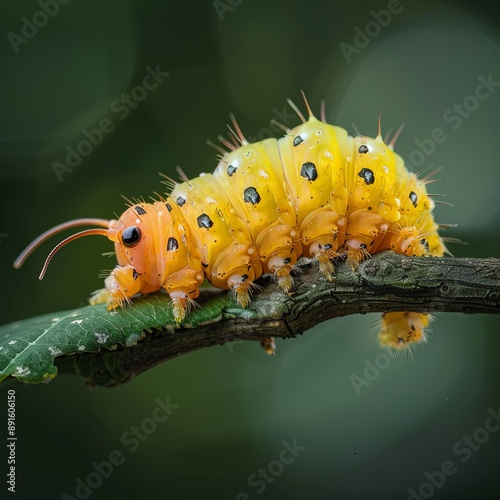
point(131, 233)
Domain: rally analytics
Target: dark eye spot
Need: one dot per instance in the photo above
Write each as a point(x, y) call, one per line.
point(363, 149)
point(131, 236)
point(139, 210)
point(180, 201)
point(169, 208)
point(298, 140)
point(308, 171)
point(204, 221)
point(414, 199)
point(172, 245)
point(231, 170)
point(251, 195)
point(367, 175)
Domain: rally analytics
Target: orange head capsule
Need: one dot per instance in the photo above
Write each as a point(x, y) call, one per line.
point(132, 234)
point(151, 250)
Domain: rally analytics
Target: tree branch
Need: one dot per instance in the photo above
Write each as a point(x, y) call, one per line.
point(386, 282)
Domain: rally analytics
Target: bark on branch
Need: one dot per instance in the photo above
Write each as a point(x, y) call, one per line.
point(386, 282)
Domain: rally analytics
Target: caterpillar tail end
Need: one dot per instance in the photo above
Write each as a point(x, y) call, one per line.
point(401, 330)
point(269, 346)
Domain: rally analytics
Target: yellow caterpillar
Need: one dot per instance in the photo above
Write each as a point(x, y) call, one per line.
point(316, 193)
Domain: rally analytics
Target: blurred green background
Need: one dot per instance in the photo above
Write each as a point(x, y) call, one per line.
point(236, 406)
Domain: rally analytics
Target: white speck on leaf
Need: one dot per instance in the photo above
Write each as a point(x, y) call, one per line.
point(101, 337)
point(54, 351)
point(81, 348)
point(22, 370)
point(77, 321)
point(12, 342)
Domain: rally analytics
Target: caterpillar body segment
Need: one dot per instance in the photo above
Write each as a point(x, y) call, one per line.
point(252, 178)
point(315, 193)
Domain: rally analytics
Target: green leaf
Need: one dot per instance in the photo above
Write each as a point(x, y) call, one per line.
point(28, 347)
